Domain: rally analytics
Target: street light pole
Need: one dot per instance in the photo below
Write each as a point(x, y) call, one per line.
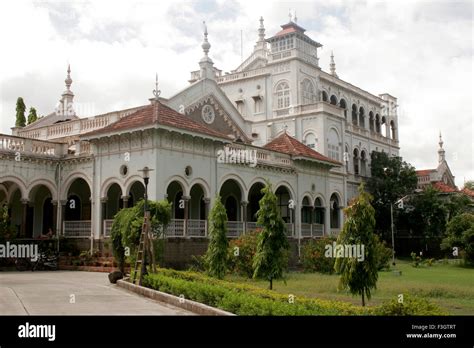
point(393, 238)
point(147, 243)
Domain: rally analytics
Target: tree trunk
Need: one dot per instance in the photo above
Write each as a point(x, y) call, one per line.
point(363, 299)
point(271, 283)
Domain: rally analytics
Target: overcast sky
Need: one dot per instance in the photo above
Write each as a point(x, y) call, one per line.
point(418, 51)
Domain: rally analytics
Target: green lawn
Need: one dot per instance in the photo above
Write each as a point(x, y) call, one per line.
point(451, 286)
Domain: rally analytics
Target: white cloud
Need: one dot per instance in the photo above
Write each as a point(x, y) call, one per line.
point(420, 52)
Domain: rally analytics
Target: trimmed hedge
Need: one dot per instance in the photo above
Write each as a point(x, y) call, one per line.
point(245, 299)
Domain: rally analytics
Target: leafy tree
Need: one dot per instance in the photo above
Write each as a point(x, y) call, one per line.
point(20, 113)
point(359, 276)
point(457, 204)
point(469, 185)
point(271, 255)
point(460, 234)
point(7, 232)
point(391, 179)
point(32, 116)
point(426, 215)
point(127, 227)
point(216, 255)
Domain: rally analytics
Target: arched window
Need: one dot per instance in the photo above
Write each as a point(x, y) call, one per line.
point(318, 211)
point(356, 161)
point(346, 157)
point(384, 127)
point(392, 130)
point(361, 117)
point(377, 124)
point(333, 145)
point(309, 95)
point(371, 121)
point(354, 114)
point(342, 104)
point(335, 207)
point(324, 96)
point(311, 141)
point(333, 100)
point(283, 95)
point(363, 163)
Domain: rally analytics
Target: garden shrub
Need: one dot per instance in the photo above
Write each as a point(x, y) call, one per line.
point(383, 254)
point(410, 306)
point(241, 259)
point(313, 258)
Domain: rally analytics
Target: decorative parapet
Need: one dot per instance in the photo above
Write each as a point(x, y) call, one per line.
point(35, 147)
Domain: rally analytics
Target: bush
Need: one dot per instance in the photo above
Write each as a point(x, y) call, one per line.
point(415, 259)
point(384, 254)
point(245, 299)
point(241, 259)
point(410, 306)
point(313, 258)
point(460, 234)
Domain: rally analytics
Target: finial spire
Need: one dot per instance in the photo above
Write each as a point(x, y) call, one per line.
point(261, 31)
point(332, 65)
point(290, 15)
point(205, 45)
point(296, 18)
point(441, 152)
point(156, 91)
point(68, 80)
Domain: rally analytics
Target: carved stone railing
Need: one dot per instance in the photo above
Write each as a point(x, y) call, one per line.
point(31, 146)
point(264, 156)
point(242, 75)
point(196, 228)
point(235, 228)
point(77, 229)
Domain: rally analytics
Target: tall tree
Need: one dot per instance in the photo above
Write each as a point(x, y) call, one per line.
point(391, 179)
point(216, 255)
point(32, 116)
point(469, 184)
point(272, 246)
point(360, 276)
point(20, 113)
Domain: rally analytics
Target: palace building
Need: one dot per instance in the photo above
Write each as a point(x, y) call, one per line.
point(310, 131)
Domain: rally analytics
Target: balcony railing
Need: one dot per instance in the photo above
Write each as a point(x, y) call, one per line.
point(196, 228)
point(31, 146)
point(175, 228)
point(108, 227)
point(235, 228)
point(77, 229)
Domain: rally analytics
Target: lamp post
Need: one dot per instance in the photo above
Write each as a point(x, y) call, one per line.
point(391, 223)
point(146, 179)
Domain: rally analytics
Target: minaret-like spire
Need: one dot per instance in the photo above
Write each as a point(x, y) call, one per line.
point(261, 31)
point(156, 91)
point(332, 65)
point(206, 64)
point(441, 152)
point(65, 107)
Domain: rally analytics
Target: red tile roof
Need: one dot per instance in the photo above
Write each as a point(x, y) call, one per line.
point(442, 187)
point(424, 172)
point(468, 192)
point(290, 27)
point(289, 145)
point(160, 114)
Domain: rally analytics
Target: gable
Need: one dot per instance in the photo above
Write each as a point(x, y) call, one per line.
point(209, 112)
point(445, 175)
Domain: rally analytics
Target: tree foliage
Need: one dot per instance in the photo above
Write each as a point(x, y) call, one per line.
point(359, 276)
point(460, 235)
point(391, 179)
point(216, 255)
point(7, 232)
point(425, 215)
point(32, 116)
point(469, 185)
point(272, 246)
point(127, 226)
point(20, 113)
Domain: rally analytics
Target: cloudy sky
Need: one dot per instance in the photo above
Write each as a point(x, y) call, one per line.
point(418, 51)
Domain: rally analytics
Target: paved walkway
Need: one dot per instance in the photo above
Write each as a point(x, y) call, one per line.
point(51, 293)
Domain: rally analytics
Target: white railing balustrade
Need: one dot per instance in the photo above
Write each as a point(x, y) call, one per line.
point(108, 227)
point(175, 228)
point(234, 228)
point(196, 228)
point(77, 229)
point(318, 230)
point(251, 226)
point(306, 230)
point(290, 229)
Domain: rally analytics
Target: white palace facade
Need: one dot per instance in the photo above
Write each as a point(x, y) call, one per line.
point(312, 134)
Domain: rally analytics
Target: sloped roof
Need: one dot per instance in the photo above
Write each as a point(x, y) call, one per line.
point(49, 120)
point(442, 187)
point(425, 172)
point(157, 113)
point(468, 192)
point(284, 143)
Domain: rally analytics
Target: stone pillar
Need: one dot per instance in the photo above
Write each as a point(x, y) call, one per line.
point(327, 219)
point(103, 212)
point(55, 217)
point(125, 201)
point(186, 213)
point(244, 204)
point(62, 216)
point(24, 209)
point(207, 204)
